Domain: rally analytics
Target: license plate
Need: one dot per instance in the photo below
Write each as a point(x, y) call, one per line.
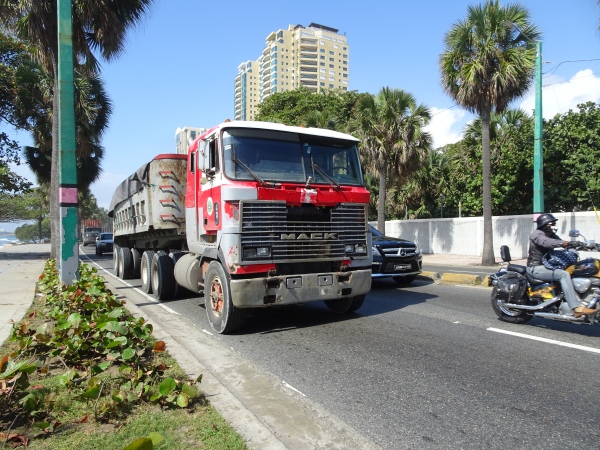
point(402, 266)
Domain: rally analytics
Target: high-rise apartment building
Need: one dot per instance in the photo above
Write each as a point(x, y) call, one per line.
point(316, 57)
point(184, 137)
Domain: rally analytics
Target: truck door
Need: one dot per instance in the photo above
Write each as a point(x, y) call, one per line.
point(209, 195)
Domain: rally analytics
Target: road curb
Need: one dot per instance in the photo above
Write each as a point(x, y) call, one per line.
point(461, 278)
point(430, 276)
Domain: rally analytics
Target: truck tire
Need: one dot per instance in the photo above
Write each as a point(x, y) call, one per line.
point(222, 315)
point(137, 259)
point(177, 289)
point(146, 271)
point(125, 263)
point(162, 276)
point(345, 305)
point(116, 261)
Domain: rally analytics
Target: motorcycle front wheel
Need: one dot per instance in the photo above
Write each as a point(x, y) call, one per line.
point(507, 314)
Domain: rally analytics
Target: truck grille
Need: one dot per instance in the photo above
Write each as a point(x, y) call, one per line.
point(302, 232)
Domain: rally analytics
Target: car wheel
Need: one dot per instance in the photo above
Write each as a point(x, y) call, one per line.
point(405, 280)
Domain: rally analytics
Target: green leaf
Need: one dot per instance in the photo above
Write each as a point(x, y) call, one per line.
point(140, 444)
point(156, 438)
point(128, 353)
point(167, 386)
point(90, 394)
point(189, 390)
point(183, 400)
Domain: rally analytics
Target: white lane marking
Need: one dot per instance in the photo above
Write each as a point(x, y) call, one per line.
point(548, 341)
point(139, 291)
point(289, 386)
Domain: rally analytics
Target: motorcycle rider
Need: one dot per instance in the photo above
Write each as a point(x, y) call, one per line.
point(542, 240)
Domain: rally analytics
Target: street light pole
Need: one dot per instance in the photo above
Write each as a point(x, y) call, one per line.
point(68, 266)
point(538, 163)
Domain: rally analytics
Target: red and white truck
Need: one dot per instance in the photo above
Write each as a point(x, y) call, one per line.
point(255, 215)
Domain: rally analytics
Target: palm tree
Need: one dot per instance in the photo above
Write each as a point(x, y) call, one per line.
point(488, 61)
point(390, 126)
point(98, 28)
point(92, 110)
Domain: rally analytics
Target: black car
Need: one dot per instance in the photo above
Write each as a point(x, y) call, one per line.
point(104, 243)
point(395, 258)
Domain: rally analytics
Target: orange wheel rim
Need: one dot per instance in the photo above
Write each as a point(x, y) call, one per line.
point(216, 296)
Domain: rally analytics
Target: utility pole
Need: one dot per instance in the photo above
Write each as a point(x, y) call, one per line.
point(538, 161)
point(67, 162)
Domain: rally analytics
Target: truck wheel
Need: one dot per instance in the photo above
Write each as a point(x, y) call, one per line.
point(125, 263)
point(146, 271)
point(116, 261)
point(357, 302)
point(136, 259)
point(162, 276)
point(177, 289)
point(222, 315)
point(340, 305)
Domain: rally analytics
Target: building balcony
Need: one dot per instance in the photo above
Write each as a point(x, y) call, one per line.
point(308, 83)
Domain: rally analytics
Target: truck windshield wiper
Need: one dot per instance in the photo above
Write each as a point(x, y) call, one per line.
point(249, 170)
point(324, 174)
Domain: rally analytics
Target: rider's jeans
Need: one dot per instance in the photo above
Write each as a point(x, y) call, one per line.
point(541, 273)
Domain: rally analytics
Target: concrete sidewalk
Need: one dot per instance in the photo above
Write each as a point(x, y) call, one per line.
point(20, 268)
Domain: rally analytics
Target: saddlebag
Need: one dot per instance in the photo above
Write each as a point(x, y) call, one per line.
point(511, 287)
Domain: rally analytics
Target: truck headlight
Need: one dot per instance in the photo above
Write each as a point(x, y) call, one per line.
point(257, 252)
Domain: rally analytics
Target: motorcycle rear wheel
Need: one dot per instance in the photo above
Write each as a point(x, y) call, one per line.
point(507, 314)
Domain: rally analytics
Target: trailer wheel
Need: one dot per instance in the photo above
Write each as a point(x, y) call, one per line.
point(116, 261)
point(146, 271)
point(125, 263)
point(345, 305)
point(137, 259)
point(162, 276)
point(222, 315)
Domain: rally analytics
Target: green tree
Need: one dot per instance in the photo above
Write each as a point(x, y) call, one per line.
point(92, 111)
point(98, 28)
point(14, 61)
point(390, 126)
point(488, 61)
point(297, 107)
point(572, 159)
point(31, 205)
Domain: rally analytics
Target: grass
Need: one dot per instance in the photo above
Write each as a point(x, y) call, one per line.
point(80, 373)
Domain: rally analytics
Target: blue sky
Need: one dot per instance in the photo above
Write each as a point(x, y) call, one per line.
point(179, 66)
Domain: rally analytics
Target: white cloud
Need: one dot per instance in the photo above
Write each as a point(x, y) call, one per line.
point(446, 125)
point(559, 95)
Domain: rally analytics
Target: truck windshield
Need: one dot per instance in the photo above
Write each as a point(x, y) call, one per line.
point(275, 156)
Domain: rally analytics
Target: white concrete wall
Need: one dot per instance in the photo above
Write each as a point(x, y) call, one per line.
point(464, 236)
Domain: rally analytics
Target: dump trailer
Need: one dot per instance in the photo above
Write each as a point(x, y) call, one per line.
point(255, 215)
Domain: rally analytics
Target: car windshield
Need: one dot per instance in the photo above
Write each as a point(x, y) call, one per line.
point(276, 156)
point(93, 230)
point(376, 232)
point(106, 236)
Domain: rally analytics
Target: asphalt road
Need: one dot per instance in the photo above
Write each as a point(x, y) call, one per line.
point(429, 366)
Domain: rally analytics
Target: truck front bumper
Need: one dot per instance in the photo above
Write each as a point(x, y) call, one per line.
point(294, 289)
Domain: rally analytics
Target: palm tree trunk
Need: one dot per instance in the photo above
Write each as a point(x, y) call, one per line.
point(488, 232)
point(381, 197)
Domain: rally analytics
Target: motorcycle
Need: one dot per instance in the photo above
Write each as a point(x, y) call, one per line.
point(517, 297)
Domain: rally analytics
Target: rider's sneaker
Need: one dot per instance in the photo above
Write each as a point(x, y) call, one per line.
point(583, 311)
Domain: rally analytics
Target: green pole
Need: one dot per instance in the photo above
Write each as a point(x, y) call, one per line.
point(538, 164)
point(67, 163)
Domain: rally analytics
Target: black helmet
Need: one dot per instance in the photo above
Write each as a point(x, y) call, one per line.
point(544, 220)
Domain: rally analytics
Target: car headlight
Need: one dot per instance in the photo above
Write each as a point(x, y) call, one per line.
point(376, 252)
